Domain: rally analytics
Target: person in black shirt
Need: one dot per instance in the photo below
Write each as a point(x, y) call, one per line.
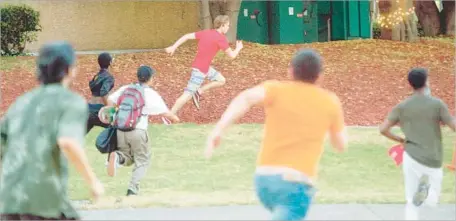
point(100, 86)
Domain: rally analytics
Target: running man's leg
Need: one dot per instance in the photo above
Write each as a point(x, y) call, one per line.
point(93, 119)
point(423, 184)
point(287, 200)
point(412, 176)
point(123, 156)
point(263, 191)
point(141, 155)
point(216, 78)
point(296, 202)
point(435, 186)
point(195, 82)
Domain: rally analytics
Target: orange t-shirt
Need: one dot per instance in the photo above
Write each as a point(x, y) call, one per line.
point(298, 117)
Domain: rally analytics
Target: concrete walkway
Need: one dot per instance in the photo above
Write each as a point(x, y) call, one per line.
point(317, 212)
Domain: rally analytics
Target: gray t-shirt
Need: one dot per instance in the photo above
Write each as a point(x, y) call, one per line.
point(420, 117)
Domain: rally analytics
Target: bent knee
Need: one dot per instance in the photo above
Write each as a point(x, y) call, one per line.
point(221, 80)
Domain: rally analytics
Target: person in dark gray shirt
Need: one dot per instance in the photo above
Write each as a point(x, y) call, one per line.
point(419, 117)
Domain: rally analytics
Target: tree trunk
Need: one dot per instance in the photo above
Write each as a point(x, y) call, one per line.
point(216, 8)
point(374, 12)
point(410, 28)
point(396, 29)
point(210, 9)
point(428, 16)
point(410, 23)
point(414, 23)
point(206, 14)
point(232, 10)
point(448, 17)
point(403, 29)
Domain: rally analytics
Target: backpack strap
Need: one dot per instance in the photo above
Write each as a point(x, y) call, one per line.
point(143, 93)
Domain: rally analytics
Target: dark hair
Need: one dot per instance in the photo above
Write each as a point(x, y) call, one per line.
point(417, 78)
point(54, 61)
point(145, 73)
point(104, 60)
point(306, 65)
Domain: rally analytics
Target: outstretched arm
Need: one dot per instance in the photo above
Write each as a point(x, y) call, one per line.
point(237, 108)
point(179, 42)
point(70, 140)
point(155, 105)
point(170, 115)
point(234, 53)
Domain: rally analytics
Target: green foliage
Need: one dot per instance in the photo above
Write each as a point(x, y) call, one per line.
point(376, 30)
point(19, 26)
point(420, 30)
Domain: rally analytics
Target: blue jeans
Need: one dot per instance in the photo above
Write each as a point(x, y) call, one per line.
point(285, 199)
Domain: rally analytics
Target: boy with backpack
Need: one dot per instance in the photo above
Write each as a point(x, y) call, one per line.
point(134, 103)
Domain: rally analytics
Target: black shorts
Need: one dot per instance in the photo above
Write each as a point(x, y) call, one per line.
point(93, 117)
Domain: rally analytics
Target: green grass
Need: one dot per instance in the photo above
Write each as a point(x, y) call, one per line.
point(181, 176)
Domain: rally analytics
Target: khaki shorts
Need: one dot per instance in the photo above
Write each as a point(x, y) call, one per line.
point(197, 78)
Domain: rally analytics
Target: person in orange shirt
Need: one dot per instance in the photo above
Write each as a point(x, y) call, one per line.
point(299, 114)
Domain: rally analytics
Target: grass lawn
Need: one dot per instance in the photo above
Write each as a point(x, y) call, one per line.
point(181, 176)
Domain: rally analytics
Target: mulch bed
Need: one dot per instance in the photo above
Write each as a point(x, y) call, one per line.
point(368, 75)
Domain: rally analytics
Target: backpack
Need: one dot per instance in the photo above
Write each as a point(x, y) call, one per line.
point(106, 141)
point(129, 108)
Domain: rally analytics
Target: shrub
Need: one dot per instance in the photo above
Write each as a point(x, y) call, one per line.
point(377, 32)
point(19, 26)
point(420, 30)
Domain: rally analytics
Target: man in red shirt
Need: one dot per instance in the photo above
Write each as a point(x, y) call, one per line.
point(210, 42)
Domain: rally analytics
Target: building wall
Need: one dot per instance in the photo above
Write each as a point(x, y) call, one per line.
point(113, 24)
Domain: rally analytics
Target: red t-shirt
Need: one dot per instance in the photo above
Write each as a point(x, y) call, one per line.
point(209, 43)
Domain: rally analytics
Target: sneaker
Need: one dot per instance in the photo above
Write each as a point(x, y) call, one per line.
point(120, 163)
point(422, 191)
point(196, 99)
point(113, 164)
point(131, 193)
point(166, 121)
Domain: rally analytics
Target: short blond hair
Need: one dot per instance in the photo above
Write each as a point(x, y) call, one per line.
point(221, 20)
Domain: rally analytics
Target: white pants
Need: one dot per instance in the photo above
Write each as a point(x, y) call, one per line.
point(412, 173)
